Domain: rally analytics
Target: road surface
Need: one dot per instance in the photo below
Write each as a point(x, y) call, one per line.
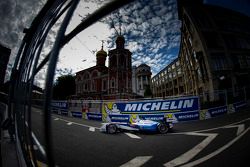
point(222, 141)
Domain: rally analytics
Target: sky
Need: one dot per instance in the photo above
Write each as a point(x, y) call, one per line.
point(151, 29)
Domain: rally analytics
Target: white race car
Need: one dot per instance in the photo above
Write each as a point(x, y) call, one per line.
point(140, 125)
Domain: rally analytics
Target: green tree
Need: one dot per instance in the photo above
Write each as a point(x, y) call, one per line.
point(64, 87)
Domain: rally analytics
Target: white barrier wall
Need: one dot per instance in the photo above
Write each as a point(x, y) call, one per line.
point(176, 110)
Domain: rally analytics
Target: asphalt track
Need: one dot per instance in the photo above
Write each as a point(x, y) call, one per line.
point(222, 141)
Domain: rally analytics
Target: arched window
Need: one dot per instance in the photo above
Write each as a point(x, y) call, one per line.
point(112, 83)
point(86, 76)
point(94, 74)
point(93, 84)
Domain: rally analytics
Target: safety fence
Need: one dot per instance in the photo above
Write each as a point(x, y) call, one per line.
point(177, 109)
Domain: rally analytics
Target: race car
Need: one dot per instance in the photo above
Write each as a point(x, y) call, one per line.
point(140, 125)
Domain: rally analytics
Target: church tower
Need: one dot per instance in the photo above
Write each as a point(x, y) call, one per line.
point(120, 69)
point(101, 57)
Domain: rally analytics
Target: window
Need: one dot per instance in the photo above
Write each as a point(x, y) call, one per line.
point(104, 85)
point(173, 66)
point(179, 71)
point(243, 61)
point(85, 86)
point(174, 74)
point(219, 61)
point(93, 85)
point(213, 40)
point(94, 74)
point(112, 83)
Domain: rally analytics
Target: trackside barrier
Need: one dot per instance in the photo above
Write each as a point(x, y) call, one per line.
point(60, 107)
point(175, 110)
point(222, 110)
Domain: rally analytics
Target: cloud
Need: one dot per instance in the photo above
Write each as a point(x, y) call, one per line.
point(15, 15)
point(151, 30)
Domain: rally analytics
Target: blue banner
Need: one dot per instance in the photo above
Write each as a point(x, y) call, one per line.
point(187, 116)
point(217, 111)
point(94, 116)
point(64, 112)
point(119, 118)
point(59, 104)
point(239, 105)
point(158, 117)
point(184, 104)
point(76, 114)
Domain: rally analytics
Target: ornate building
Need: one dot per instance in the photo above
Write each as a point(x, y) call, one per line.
point(141, 79)
point(114, 81)
point(120, 69)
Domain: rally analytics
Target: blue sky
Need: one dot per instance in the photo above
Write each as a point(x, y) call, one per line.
point(151, 30)
point(150, 27)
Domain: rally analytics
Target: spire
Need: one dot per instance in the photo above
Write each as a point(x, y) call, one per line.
point(102, 44)
point(120, 41)
point(101, 56)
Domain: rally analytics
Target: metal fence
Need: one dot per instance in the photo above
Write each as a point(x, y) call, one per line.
point(30, 62)
point(223, 97)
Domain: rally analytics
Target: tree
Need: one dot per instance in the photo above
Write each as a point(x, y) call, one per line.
point(64, 87)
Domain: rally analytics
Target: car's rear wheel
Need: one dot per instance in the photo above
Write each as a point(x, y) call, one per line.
point(111, 128)
point(162, 128)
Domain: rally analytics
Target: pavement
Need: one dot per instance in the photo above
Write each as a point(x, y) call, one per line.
point(7, 146)
point(221, 141)
point(78, 142)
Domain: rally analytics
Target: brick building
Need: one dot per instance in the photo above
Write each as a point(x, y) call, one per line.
point(114, 81)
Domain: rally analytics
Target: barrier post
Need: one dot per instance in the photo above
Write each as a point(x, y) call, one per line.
point(245, 93)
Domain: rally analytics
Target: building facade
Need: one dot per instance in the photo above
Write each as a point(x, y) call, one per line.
point(141, 79)
point(4, 59)
point(214, 52)
point(114, 81)
point(169, 81)
point(215, 48)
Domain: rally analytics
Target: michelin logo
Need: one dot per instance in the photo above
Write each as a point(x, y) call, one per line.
point(160, 106)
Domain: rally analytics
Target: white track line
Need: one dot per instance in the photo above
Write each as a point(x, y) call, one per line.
point(92, 129)
point(194, 151)
point(132, 136)
point(194, 163)
point(87, 126)
point(241, 128)
point(204, 130)
point(40, 147)
point(69, 123)
point(137, 161)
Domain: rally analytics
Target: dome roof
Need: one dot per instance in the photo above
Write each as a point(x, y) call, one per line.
point(101, 53)
point(120, 38)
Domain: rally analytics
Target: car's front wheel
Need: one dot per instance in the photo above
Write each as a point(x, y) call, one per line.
point(162, 128)
point(111, 128)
